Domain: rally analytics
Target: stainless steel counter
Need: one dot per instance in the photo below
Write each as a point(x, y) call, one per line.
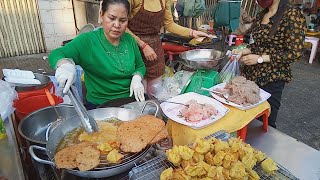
point(300, 159)
point(10, 162)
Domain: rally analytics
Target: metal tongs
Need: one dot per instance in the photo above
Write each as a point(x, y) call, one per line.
point(89, 124)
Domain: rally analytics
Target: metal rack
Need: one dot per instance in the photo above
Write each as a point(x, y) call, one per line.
point(152, 169)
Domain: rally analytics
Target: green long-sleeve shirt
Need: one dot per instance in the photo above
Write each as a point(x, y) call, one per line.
point(108, 69)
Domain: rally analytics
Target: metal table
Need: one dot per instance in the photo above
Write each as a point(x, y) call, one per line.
point(10, 162)
point(300, 159)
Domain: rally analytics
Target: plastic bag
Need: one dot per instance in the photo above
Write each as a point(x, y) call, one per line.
point(7, 95)
point(230, 70)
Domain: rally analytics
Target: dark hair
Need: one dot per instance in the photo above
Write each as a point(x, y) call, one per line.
point(283, 4)
point(107, 3)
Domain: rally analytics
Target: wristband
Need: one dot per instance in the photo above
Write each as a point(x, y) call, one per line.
point(144, 46)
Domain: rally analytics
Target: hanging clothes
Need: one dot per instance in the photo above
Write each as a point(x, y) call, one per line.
point(227, 13)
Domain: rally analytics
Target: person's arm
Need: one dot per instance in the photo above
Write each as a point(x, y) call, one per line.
point(295, 35)
point(170, 25)
point(140, 67)
point(71, 50)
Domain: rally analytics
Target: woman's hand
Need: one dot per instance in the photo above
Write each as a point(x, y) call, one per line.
point(149, 53)
point(239, 53)
point(250, 59)
point(197, 34)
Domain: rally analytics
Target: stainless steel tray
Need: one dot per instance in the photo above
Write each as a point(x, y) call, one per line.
point(152, 169)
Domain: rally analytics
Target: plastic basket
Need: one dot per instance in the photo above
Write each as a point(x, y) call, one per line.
point(202, 78)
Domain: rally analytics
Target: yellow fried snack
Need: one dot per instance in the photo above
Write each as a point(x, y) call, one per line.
point(201, 146)
point(220, 146)
point(184, 164)
point(269, 166)
point(114, 156)
point(167, 174)
point(179, 174)
point(173, 156)
point(249, 161)
point(212, 172)
point(253, 175)
point(105, 147)
point(238, 171)
point(209, 158)
point(185, 152)
point(195, 170)
point(218, 158)
point(205, 166)
point(226, 174)
point(219, 175)
point(227, 160)
point(260, 156)
point(197, 157)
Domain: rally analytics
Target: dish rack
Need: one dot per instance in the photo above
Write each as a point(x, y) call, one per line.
point(152, 169)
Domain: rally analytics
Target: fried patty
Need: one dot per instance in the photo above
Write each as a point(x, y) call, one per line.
point(135, 135)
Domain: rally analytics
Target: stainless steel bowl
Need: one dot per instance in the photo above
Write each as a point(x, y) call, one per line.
point(202, 58)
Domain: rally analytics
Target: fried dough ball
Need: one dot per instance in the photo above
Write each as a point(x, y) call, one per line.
point(260, 156)
point(185, 152)
point(114, 156)
point(174, 156)
point(238, 170)
point(201, 146)
point(197, 157)
point(253, 175)
point(269, 166)
point(195, 170)
point(167, 174)
point(249, 161)
point(179, 174)
point(218, 158)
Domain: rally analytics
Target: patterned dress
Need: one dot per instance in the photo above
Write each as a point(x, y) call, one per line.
point(284, 47)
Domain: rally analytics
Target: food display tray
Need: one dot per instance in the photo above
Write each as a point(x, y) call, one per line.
point(152, 169)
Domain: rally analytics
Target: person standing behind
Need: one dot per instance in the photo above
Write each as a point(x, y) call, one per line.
point(145, 21)
point(111, 60)
point(278, 33)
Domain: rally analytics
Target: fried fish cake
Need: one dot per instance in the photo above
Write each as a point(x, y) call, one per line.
point(66, 158)
point(88, 158)
point(135, 135)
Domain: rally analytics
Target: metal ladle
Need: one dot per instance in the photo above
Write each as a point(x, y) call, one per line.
point(59, 118)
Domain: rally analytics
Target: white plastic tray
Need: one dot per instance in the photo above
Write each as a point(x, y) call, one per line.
point(263, 94)
point(172, 111)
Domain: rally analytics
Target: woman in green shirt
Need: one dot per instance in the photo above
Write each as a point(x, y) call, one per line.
point(110, 58)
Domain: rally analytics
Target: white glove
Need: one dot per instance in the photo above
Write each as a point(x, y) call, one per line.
point(137, 88)
point(66, 75)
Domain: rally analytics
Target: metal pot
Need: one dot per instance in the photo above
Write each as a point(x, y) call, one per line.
point(44, 79)
point(201, 58)
point(68, 125)
point(33, 127)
